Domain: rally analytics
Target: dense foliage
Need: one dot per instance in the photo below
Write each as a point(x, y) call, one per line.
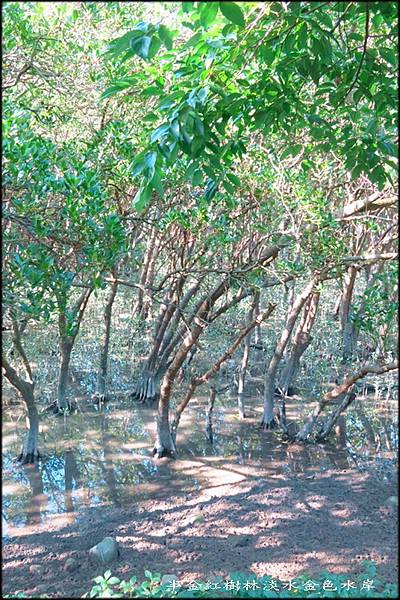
point(198, 148)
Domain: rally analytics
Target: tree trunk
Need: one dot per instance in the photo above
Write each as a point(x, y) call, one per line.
point(346, 325)
point(328, 426)
point(336, 308)
point(268, 420)
point(102, 370)
point(68, 332)
point(196, 381)
point(149, 279)
point(337, 394)
point(210, 408)
point(340, 431)
point(146, 387)
point(301, 340)
point(245, 358)
point(139, 306)
point(164, 443)
point(172, 329)
point(257, 332)
point(29, 452)
point(66, 345)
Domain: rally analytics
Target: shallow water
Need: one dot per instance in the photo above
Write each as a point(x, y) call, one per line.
point(104, 458)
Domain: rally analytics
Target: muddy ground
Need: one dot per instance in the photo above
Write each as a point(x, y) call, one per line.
point(280, 526)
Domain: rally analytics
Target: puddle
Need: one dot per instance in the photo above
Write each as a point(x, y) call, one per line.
point(104, 459)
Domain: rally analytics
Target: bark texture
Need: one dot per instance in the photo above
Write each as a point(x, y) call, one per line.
point(268, 420)
point(337, 393)
point(29, 451)
point(301, 341)
point(105, 344)
point(209, 412)
point(245, 357)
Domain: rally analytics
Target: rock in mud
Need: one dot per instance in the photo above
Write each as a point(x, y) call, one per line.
point(195, 519)
point(35, 569)
point(70, 565)
point(105, 551)
point(240, 541)
point(393, 501)
point(166, 579)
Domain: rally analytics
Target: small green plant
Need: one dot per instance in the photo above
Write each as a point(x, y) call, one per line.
point(241, 585)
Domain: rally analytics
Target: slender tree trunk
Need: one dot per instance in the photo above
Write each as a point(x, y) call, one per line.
point(29, 451)
point(336, 308)
point(245, 357)
point(66, 345)
point(268, 420)
point(197, 381)
point(301, 340)
point(172, 329)
point(67, 341)
point(164, 441)
point(257, 332)
point(340, 431)
point(146, 303)
point(337, 394)
point(138, 308)
point(146, 387)
point(103, 361)
point(328, 426)
point(210, 408)
point(346, 325)
point(165, 445)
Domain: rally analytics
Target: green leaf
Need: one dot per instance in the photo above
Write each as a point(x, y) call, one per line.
point(141, 46)
point(124, 42)
point(208, 12)
point(142, 197)
point(165, 36)
point(292, 151)
point(137, 168)
point(157, 184)
point(154, 47)
point(148, 574)
point(152, 90)
point(150, 160)
point(187, 7)
point(193, 40)
point(235, 180)
point(229, 187)
point(232, 12)
point(160, 132)
point(111, 91)
point(197, 178)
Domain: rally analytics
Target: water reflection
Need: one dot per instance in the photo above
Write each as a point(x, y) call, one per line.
point(104, 458)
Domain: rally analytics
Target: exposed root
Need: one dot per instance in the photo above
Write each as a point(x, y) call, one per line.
point(31, 458)
point(163, 452)
point(267, 425)
point(145, 390)
point(55, 410)
point(99, 399)
point(291, 391)
point(209, 433)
